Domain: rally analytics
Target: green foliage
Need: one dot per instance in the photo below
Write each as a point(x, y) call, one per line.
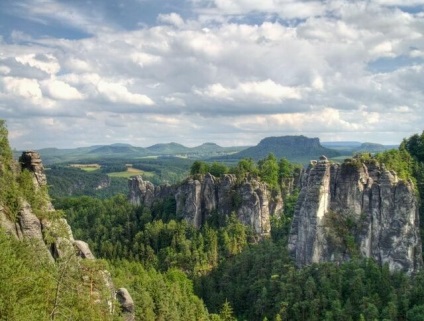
point(398, 160)
point(18, 186)
point(37, 197)
point(415, 146)
point(199, 167)
point(160, 296)
point(67, 181)
point(262, 283)
point(35, 289)
point(245, 167)
point(226, 312)
point(341, 229)
point(269, 170)
point(280, 225)
point(218, 169)
point(6, 154)
point(114, 229)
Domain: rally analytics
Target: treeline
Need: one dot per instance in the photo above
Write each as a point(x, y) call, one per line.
point(115, 229)
point(67, 181)
point(408, 162)
point(232, 272)
point(161, 169)
point(262, 284)
point(31, 286)
point(270, 170)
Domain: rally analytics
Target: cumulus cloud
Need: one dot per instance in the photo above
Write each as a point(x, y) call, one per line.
point(57, 89)
point(266, 92)
point(225, 71)
point(172, 18)
point(117, 93)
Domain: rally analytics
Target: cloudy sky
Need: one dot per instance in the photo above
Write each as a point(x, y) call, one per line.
point(85, 72)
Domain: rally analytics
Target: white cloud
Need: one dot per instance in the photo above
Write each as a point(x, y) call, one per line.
point(57, 89)
point(267, 92)
point(24, 87)
point(172, 18)
point(118, 93)
point(228, 70)
point(47, 63)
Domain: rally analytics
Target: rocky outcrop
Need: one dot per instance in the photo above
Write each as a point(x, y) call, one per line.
point(127, 304)
point(31, 161)
point(50, 236)
point(356, 209)
point(198, 198)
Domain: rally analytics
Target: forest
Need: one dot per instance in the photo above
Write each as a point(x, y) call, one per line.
point(221, 271)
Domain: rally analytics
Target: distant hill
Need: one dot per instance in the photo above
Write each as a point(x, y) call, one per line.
point(350, 147)
point(129, 152)
point(170, 148)
point(374, 148)
point(298, 149)
point(119, 149)
point(209, 147)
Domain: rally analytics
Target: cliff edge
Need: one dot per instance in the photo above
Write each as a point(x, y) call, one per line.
point(356, 209)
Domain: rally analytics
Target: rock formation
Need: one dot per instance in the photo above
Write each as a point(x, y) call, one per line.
point(127, 304)
point(198, 198)
point(356, 209)
point(51, 238)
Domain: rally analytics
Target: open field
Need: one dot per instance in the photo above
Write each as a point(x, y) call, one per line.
point(86, 167)
point(130, 172)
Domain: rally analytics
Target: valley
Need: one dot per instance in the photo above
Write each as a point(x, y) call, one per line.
point(245, 238)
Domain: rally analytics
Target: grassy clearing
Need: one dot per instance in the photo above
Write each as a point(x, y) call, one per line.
point(130, 172)
point(86, 167)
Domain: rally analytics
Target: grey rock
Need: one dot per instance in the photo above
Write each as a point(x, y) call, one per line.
point(200, 197)
point(127, 304)
point(383, 208)
point(53, 238)
point(83, 250)
point(31, 161)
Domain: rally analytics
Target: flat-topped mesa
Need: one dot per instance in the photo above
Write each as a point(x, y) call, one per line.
point(198, 198)
point(356, 209)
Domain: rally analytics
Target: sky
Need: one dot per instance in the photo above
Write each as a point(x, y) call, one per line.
point(86, 72)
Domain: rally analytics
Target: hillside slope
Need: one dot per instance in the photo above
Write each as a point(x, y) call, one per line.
point(299, 149)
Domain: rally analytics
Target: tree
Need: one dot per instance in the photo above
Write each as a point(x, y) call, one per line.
point(199, 167)
point(268, 170)
point(218, 169)
point(226, 312)
point(244, 167)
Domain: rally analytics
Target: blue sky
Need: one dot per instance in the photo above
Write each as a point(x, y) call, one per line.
point(79, 73)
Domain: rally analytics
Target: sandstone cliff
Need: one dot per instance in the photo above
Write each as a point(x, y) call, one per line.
point(198, 198)
point(356, 209)
point(49, 234)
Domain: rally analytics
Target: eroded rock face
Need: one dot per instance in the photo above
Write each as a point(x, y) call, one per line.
point(197, 199)
point(83, 250)
point(51, 238)
point(32, 161)
point(127, 304)
point(356, 209)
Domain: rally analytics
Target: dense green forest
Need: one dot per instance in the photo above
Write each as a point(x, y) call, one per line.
point(235, 273)
point(111, 176)
point(221, 271)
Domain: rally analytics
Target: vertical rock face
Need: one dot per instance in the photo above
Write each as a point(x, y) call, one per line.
point(127, 304)
point(31, 161)
point(198, 199)
point(51, 238)
point(356, 209)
